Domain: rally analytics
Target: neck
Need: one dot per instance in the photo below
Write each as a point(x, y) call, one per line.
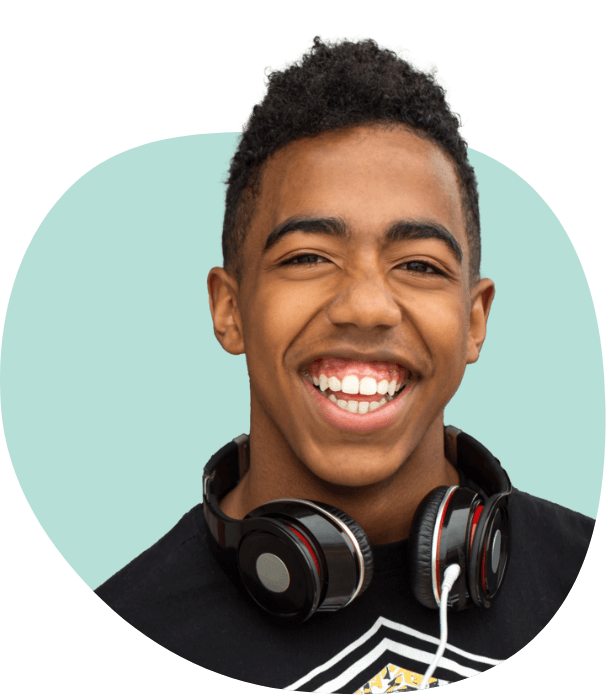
point(384, 510)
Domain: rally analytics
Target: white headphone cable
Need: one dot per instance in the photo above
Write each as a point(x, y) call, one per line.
point(450, 577)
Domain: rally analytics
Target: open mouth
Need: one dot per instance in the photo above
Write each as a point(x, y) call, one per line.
point(358, 396)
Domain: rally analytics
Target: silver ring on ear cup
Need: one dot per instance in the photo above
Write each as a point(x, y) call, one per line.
point(451, 531)
point(347, 531)
point(435, 548)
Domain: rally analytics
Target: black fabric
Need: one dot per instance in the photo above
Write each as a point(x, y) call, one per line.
point(177, 594)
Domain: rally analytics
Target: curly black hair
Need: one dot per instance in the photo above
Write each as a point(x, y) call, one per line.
point(336, 86)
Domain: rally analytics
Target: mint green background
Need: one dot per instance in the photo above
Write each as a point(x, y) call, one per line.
point(115, 391)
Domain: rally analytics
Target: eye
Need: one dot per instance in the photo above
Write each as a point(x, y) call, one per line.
point(420, 267)
point(304, 259)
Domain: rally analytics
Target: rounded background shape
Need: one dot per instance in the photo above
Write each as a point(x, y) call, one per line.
point(115, 392)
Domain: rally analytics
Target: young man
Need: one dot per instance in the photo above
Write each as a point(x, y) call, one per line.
point(352, 284)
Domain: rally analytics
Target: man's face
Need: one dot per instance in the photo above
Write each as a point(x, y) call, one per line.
point(355, 272)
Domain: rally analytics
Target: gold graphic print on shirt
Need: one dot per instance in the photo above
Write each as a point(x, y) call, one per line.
point(394, 679)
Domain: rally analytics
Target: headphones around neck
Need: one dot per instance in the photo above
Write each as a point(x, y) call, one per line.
point(296, 557)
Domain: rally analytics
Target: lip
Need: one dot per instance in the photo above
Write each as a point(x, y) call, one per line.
point(370, 422)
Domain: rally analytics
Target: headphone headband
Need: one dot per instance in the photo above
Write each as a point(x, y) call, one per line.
point(221, 474)
point(228, 465)
point(474, 459)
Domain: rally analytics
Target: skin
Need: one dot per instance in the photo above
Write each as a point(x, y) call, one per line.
point(409, 301)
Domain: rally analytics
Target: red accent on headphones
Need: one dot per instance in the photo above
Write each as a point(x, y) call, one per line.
point(308, 546)
point(474, 523)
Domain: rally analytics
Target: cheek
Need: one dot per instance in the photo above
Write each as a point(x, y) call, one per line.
point(445, 328)
point(275, 319)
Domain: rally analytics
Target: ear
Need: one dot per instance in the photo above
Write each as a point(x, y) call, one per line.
point(223, 295)
point(482, 295)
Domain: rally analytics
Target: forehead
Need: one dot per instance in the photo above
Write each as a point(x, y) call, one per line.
point(370, 176)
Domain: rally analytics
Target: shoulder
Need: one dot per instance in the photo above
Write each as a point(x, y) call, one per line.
point(547, 539)
point(549, 521)
point(172, 564)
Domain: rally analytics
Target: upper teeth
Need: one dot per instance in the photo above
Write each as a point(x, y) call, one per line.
point(367, 386)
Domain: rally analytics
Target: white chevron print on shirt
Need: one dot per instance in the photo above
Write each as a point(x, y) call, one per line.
point(389, 658)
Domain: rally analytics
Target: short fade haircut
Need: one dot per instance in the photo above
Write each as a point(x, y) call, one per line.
point(336, 86)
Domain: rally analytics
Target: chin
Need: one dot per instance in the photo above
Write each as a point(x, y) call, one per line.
point(345, 472)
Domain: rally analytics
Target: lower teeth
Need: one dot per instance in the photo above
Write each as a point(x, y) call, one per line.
point(372, 405)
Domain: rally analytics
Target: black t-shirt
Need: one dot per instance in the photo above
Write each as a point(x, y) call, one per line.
point(178, 595)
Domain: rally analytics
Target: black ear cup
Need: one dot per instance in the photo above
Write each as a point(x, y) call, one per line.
point(363, 543)
point(489, 552)
point(439, 537)
point(299, 556)
point(420, 542)
point(281, 569)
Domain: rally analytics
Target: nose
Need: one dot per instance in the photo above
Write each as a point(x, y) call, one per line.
point(366, 303)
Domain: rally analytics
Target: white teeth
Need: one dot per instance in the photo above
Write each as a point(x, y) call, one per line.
point(368, 386)
point(334, 384)
point(382, 386)
point(360, 407)
point(350, 384)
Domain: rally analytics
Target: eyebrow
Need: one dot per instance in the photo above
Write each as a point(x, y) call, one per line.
point(401, 230)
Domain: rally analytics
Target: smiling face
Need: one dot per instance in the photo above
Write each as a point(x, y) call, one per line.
point(354, 307)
